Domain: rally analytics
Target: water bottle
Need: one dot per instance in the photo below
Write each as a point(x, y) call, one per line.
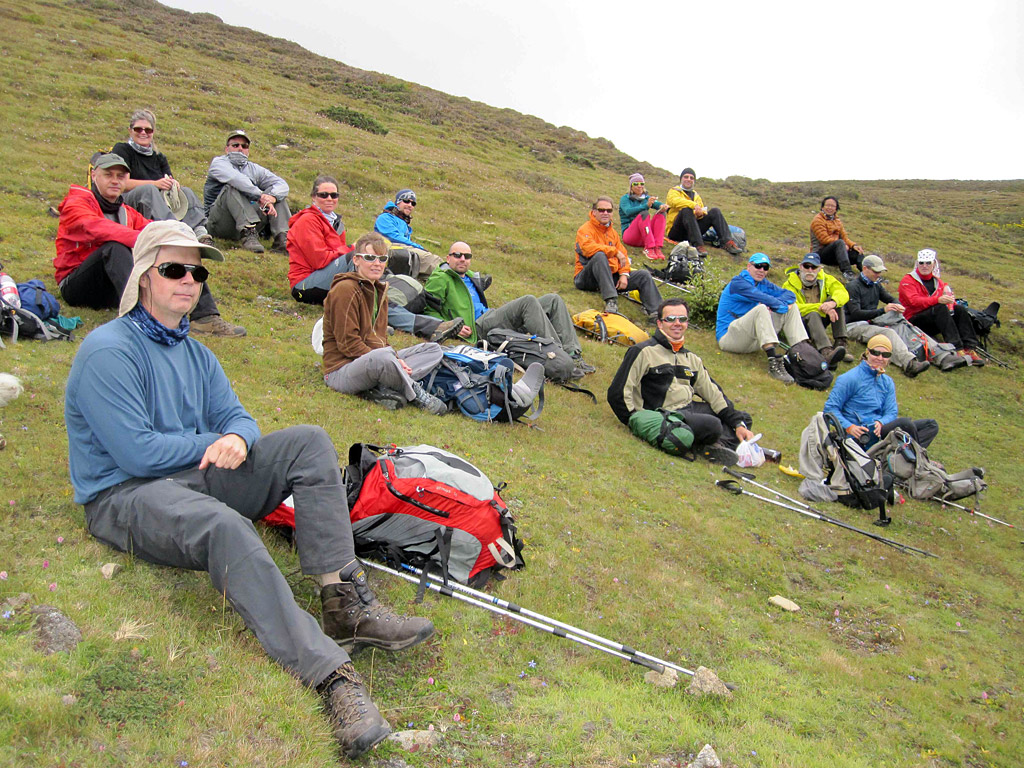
point(9, 290)
point(947, 291)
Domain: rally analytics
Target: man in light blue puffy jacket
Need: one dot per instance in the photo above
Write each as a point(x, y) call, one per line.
point(751, 312)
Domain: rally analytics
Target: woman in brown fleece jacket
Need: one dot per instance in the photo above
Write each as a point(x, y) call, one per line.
point(357, 357)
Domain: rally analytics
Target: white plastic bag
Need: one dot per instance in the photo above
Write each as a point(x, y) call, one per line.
point(751, 454)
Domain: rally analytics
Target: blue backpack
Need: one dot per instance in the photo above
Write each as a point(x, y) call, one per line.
point(37, 300)
point(738, 235)
point(479, 384)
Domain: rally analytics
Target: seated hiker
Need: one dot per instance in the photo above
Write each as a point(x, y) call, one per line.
point(829, 239)
point(151, 188)
point(820, 299)
point(864, 400)
point(357, 357)
point(244, 199)
point(662, 374)
point(178, 471)
point(931, 306)
point(602, 263)
point(460, 292)
point(866, 293)
point(752, 310)
point(317, 252)
point(94, 244)
point(689, 220)
point(395, 223)
point(642, 218)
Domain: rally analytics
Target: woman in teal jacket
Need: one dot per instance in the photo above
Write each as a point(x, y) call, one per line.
point(642, 218)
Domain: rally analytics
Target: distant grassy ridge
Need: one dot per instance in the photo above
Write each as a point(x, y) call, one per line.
point(891, 661)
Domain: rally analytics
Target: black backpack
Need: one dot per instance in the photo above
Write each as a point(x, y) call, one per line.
point(808, 366)
point(869, 486)
point(19, 323)
point(524, 348)
point(983, 320)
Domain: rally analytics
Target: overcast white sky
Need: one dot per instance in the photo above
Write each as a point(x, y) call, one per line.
point(782, 90)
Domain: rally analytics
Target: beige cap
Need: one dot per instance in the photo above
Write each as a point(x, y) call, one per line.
point(874, 263)
point(151, 239)
point(878, 341)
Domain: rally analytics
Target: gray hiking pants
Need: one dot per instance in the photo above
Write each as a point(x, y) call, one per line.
point(546, 316)
point(816, 325)
point(232, 212)
point(380, 367)
point(150, 202)
point(862, 331)
point(202, 521)
point(597, 276)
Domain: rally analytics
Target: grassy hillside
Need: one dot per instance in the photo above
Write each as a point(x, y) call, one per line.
point(892, 660)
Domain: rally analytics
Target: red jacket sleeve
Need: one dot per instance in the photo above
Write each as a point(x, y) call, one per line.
point(915, 298)
point(81, 223)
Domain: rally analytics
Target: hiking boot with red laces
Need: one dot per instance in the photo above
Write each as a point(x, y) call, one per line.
point(731, 248)
point(353, 617)
point(357, 723)
point(702, 250)
point(973, 358)
point(215, 325)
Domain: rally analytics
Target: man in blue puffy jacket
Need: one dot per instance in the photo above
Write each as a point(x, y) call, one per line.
point(395, 223)
point(751, 312)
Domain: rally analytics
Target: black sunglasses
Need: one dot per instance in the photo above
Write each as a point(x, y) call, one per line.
point(461, 255)
point(410, 202)
point(325, 195)
point(675, 319)
point(138, 129)
point(880, 353)
point(172, 270)
point(765, 267)
point(603, 210)
point(810, 266)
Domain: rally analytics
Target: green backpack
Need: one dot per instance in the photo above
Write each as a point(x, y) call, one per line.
point(665, 430)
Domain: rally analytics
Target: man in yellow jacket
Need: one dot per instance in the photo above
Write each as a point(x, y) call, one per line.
point(689, 220)
point(820, 299)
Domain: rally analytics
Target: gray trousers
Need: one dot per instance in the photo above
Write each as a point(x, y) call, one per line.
point(597, 276)
point(546, 316)
point(380, 367)
point(202, 520)
point(816, 324)
point(232, 212)
point(149, 201)
point(863, 331)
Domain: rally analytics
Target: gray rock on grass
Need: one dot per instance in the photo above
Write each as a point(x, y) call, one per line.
point(706, 758)
point(56, 633)
point(706, 682)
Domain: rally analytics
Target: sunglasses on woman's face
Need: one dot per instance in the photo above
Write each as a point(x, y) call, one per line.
point(371, 257)
point(325, 195)
point(172, 270)
point(880, 353)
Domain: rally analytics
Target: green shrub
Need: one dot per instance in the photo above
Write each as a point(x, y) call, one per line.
point(355, 119)
point(703, 300)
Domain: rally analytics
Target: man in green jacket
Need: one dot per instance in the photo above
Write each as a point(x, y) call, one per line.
point(459, 292)
point(820, 299)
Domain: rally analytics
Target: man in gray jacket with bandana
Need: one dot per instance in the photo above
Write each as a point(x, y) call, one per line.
point(244, 200)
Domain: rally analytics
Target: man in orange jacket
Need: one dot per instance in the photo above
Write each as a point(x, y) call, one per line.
point(602, 264)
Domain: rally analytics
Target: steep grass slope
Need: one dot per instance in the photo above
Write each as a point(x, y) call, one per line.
point(892, 660)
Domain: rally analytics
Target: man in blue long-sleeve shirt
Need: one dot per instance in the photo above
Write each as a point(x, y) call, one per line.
point(751, 312)
point(171, 468)
point(395, 223)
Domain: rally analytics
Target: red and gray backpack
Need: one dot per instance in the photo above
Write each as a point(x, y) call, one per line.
point(429, 508)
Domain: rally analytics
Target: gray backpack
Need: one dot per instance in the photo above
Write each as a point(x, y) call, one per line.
point(923, 477)
point(921, 345)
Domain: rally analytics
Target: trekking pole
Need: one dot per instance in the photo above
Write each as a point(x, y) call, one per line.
point(733, 487)
point(450, 591)
point(992, 358)
point(677, 286)
point(944, 503)
point(509, 606)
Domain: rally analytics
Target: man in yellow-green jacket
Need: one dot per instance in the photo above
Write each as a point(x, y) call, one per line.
point(820, 299)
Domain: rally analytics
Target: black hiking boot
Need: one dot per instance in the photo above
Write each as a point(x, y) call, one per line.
point(357, 723)
point(777, 370)
point(833, 356)
point(427, 401)
point(582, 365)
point(717, 453)
point(388, 398)
point(611, 306)
point(353, 617)
point(280, 244)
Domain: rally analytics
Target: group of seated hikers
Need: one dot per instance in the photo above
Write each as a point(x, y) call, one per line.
point(171, 467)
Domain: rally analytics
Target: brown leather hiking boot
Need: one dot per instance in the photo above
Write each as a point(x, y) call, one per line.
point(251, 240)
point(215, 325)
point(357, 723)
point(354, 617)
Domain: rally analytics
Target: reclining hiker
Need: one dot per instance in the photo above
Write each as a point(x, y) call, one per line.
point(752, 310)
point(316, 236)
point(460, 292)
point(661, 374)
point(244, 200)
point(931, 306)
point(864, 400)
point(830, 241)
point(821, 299)
point(95, 237)
point(151, 188)
point(178, 471)
point(395, 223)
point(357, 357)
point(642, 218)
point(866, 293)
point(602, 263)
point(689, 220)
